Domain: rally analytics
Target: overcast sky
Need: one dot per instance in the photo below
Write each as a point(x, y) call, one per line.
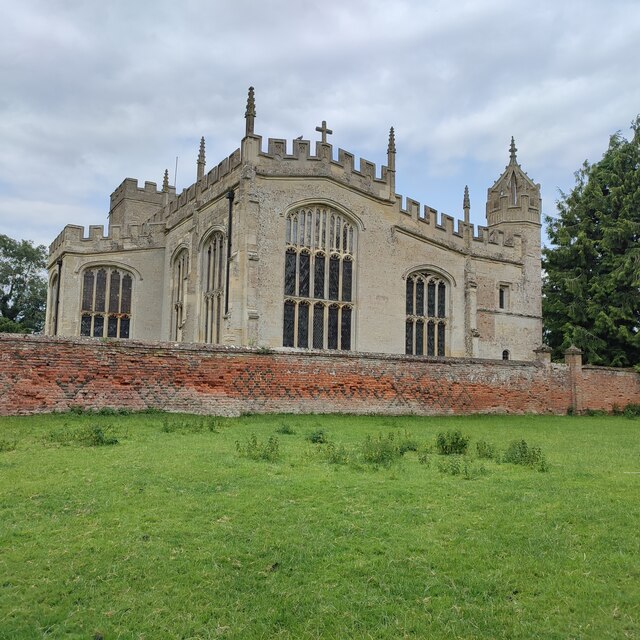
point(93, 92)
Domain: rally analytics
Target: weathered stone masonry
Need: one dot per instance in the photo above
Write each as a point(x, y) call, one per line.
point(43, 374)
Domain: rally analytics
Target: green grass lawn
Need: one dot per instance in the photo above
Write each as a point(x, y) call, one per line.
point(172, 533)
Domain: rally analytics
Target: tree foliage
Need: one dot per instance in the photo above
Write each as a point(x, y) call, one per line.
point(592, 273)
point(23, 288)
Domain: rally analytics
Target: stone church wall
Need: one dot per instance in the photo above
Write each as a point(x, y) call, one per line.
point(43, 374)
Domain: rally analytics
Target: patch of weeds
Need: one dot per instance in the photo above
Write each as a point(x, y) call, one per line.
point(424, 457)
point(93, 435)
point(256, 450)
point(452, 443)
point(450, 465)
point(381, 450)
point(485, 450)
point(264, 350)
point(407, 442)
point(595, 412)
point(519, 452)
point(632, 410)
point(90, 435)
point(336, 454)
point(318, 436)
point(285, 429)
point(172, 425)
point(8, 445)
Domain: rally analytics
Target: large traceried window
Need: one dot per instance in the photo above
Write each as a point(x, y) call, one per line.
point(318, 279)
point(180, 280)
point(426, 310)
point(212, 282)
point(106, 303)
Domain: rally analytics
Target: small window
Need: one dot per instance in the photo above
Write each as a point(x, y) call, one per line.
point(505, 355)
point(503, 296)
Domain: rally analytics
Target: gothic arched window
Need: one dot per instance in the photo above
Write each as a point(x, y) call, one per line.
point(426, 314)
point(318, 279)
point(106, 303)
point(212, 283)
point(180, 275)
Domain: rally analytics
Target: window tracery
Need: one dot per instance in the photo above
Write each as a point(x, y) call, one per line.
point(426, 314)
point(213, 287)
point(318, 279)
point(106, 303)
point(180, 279)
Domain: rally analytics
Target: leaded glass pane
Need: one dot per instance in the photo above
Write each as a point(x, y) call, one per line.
point(334, 277)
point(318, 277)
point(87, 293)
point(290, 273)
point(441, 300)
point(333, 328)
point(85, 325)
point(409, 338)
point(318, 326)
point(305, 260)
point(101, 290)
point(124, 327)
point(410, 300)
point(345, 333)
point(431, 339)
point(112, 327)
point(347, 267)
point(98, 326)
point(441, 338)
point(125, 302)
point(419, 337)
point(289, 320)
point(114, 292)
point(420, 297)
point(345, 234)
point(220, 255)
point(303, 325)
point(431, 299)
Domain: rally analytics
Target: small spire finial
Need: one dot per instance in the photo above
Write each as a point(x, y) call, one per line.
point(512, 151)
point(250, 113)
point(165, 181)
point(466, 204)
point(201, 159)
point(392, 141)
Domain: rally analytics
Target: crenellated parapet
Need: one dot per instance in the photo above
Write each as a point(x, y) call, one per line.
point(276, 160)
point(428, 224)
point(73, 239)
point(202, 190)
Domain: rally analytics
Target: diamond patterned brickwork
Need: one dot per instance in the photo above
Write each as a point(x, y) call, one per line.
point(43, 374)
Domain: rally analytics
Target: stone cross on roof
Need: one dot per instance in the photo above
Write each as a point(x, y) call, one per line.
point(324, 131)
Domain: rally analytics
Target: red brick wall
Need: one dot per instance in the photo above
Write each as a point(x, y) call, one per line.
point(606, 387)
point(42, 374)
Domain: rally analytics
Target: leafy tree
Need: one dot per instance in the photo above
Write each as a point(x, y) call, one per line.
point(23, 288)
point(592, 282)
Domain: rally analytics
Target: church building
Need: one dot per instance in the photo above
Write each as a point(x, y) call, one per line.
point(296, 247)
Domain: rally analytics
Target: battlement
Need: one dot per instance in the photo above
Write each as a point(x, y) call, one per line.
point(276, 160)
point(427, 222)
point(129, 189)
point(198, 190)
point(134, 236)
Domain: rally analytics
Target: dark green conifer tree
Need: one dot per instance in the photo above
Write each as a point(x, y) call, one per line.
point(591, 290)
